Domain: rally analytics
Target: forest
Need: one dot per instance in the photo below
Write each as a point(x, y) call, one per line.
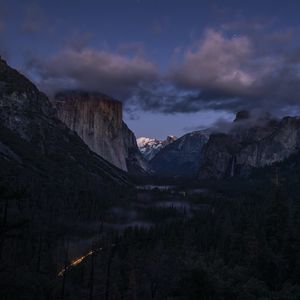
point(238, 240)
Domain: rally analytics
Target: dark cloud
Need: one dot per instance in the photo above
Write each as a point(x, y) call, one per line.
point(256, 118)
point(165, 97)
point(229, 72)
point(97, 70)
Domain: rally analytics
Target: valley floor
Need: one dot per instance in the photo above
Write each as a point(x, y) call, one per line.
point(162, 242)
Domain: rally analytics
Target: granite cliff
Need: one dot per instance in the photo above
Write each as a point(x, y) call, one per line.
point(250, 144)
point(41, 154)
point(97, 119)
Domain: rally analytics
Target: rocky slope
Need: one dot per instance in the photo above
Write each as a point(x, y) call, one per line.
point(97, 119)
point(182, 157)
point(250, 145)
point(39, 152)
point(150, 147)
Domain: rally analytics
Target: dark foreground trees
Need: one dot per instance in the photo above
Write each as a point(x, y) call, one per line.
point(241, 245)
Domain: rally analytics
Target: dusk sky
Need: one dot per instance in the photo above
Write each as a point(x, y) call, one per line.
point(177, 65)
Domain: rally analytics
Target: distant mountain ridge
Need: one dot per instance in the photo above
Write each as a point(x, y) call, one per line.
point(248, 142)
point(149, 147)
point(182, 157)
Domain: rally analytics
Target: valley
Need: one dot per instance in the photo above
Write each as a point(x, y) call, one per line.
point(212, 215)
point(164, 229)
point(155, 206)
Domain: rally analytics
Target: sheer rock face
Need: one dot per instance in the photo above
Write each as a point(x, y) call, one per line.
point(247, 147)
point(182, 157)
point(218, 154)
point(97, 119)
point(37, 147)
point(283, 141)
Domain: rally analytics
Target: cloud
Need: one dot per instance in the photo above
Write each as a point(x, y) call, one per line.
point(96, 70)
point(232, 72)
point(226, 71)
point(217, 62)
point(163, 96)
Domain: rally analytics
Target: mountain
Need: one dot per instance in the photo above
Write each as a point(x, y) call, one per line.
point(250, 145)
point(41, 154)
point(97, 119)
point(249, 142)
point(181, 157)
point(150, 147)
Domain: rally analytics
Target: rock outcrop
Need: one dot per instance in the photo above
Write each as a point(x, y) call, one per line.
point(181, 158)
point(250, 145)
point(41, 153)
point(135, 162)
point(242, 115)
point(97, 119)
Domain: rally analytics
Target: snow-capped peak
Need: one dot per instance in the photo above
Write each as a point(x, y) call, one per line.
point(149, 147)
point(143, 141)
